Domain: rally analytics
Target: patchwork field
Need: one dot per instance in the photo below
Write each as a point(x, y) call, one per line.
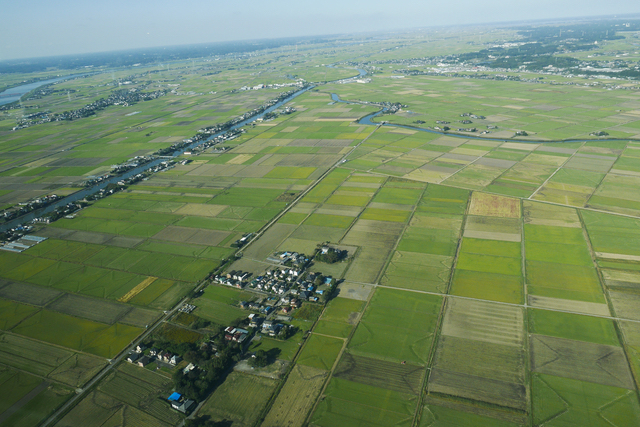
point(492, 279)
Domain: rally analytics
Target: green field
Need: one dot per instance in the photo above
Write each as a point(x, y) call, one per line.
point(240, 399)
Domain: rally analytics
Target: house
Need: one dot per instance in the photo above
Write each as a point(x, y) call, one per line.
point(165, 357)
point(140, 348)
point(133, 357)
point(175, 360)
point(183, 407)
point(175, 397)
point(144, 361)
point(190, 367)
point(153, 351)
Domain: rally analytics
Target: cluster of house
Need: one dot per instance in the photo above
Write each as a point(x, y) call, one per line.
point(235, 334)
point(16, 233)
point(236, 279)
point(181, 403)
point(119, 97)
point(473, 116)
point(289, 258)
point(139, 358)
point(187, 308)
point(31, 205)
point(279, 281)
point(267, 327)
point(68, 211)
point(273, 86)
point(131, 164)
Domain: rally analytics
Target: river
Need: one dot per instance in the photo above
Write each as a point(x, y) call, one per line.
point(90, 190)
point(15, 93)
point(367, 120)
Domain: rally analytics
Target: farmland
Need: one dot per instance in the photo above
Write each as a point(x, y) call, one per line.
point(491, 278)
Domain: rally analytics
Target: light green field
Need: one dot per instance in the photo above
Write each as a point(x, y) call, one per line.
point(572, 326)
point(348, 403)
point(397, 325)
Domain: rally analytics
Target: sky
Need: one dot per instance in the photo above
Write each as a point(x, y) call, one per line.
point(37, 28)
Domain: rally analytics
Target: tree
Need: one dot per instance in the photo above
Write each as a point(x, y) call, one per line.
point(260, 360)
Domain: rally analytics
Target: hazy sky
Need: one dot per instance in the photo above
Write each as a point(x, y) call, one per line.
point(34, 28)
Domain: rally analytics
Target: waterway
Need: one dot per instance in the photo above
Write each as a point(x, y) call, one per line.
point(90, 190)
point(367, 120)
point(15, 93)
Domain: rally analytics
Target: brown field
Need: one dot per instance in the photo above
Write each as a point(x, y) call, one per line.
point(124, 241)
point(376, 240)
point(354, 291)
point(89, 308)
point(485, 321)
point(480, 359)
point(379, 373)
point(196, 236)
point(488, 390)
point(201, 209)
point(296, 398)
point(30, 294)
point(140, 317)
point(137, 289)
point(492, 205)
point(499, 414)
point(89, 237)
point(601, 364)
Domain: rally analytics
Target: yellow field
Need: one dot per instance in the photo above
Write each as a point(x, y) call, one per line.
point(139, 288)
point(492, 205)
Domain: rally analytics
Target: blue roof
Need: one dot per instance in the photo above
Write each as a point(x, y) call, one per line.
point(175, 396)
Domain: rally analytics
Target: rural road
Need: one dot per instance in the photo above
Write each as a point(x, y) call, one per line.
point(114, 362)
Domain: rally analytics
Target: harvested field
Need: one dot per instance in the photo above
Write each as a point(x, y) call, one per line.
point(90, 308)
point(601, 364)
point(296, 398)
point(192, 235)
point(458, 415)
point(30, 294)
point(569, 305)
point(492, 205)
point(488, 390)
point(481, 359)
point(355, 291)
point(200, 209)
point(484, 321)
point(395, 376)
point(137, 289)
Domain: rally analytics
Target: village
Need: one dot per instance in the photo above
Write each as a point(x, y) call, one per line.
point(279, 291)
